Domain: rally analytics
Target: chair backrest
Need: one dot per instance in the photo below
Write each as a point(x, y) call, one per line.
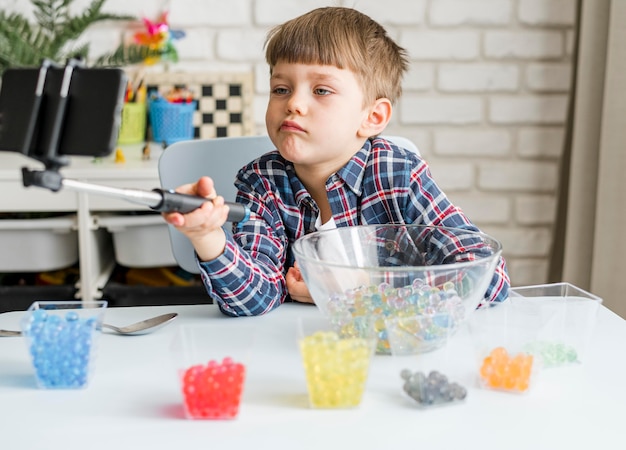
point(403, 142)
point(220, 158)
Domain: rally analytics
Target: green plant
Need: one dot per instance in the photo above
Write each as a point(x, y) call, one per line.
point(54, 36)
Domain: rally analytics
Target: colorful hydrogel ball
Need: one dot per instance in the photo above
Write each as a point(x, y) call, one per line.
point(552, 354)
point(500, 370)
point(213, 391)
point(61, 348)
point(431, 390)
point(336, 368)
point(440, 306)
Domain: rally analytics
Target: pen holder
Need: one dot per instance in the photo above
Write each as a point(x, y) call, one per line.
point(171, 122)
point(133, 127)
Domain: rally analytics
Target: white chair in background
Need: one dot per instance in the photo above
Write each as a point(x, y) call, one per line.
point(220, 158)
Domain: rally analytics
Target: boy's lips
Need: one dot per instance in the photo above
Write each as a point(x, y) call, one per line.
point(289, 125)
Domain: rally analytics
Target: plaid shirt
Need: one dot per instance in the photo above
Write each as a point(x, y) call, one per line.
point(381, 184)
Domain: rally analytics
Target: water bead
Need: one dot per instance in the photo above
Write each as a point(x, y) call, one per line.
point(434, 389)
point(501, 371)
point(213, 391)
point(60, 347)
point(448, 286)
point(383, 301)
point(396, 303)
point(552, 354)
point(336, 369)
point(39, 315)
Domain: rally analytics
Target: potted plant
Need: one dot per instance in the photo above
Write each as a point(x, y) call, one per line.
point(54, 36)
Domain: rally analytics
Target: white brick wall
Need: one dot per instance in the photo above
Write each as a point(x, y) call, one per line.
point(485, 99)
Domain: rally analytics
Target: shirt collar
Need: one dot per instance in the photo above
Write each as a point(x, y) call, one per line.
point(353, 172)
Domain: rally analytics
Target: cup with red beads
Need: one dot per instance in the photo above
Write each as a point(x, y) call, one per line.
point(211, 364)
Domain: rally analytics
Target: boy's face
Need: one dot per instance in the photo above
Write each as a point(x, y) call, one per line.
point(315, 115)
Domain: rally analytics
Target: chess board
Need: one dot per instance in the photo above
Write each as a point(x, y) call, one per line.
point(224, 106)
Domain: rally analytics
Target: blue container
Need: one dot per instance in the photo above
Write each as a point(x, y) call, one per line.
point(171, 122)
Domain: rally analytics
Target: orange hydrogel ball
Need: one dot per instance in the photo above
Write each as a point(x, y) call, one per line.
point(501, 371)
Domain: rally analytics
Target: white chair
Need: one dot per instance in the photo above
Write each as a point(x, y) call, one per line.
point(220, 158)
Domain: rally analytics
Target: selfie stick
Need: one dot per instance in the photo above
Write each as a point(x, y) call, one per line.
point(158, 199)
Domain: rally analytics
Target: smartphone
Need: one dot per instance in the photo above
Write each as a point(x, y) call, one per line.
point(40, 122)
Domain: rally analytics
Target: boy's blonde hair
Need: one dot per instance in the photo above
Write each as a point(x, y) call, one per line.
point(344, 38)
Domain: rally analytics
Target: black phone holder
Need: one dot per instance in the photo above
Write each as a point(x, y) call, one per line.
point(47, 150)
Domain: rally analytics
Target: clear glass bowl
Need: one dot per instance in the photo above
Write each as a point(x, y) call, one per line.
point(397, 273)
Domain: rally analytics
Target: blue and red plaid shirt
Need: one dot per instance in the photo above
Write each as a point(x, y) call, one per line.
point(381, 184)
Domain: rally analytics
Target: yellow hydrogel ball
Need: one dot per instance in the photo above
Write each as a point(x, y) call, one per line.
point(336, 369)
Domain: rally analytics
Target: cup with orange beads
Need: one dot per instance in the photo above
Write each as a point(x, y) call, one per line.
point(500, 336)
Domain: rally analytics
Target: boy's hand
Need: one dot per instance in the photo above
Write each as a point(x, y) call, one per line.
point(203, 226)
point(296, 287)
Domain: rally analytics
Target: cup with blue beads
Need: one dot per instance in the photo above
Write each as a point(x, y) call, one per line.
point(62, 340)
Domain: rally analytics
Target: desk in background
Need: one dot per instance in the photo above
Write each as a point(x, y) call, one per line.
point(133, 401)
point(96, 256)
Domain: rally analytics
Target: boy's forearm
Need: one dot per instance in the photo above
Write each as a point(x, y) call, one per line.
point(241, 285)
point(498, 290)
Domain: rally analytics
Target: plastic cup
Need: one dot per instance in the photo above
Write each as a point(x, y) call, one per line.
point(568, 315)
point(62, 338)
point(336, 360)
point(211, 363)
point(500, 335)
point(420, 348)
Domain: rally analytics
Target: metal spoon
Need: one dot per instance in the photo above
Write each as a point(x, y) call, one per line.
point(143, 327)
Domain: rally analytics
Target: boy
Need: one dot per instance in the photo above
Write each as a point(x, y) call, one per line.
point(334, 75)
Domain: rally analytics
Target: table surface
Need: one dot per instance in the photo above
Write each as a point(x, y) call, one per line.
point(134, 400)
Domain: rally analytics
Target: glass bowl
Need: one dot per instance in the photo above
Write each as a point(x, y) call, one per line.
point(426, 280)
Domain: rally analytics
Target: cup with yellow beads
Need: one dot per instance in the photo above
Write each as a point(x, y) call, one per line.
point(336, 360)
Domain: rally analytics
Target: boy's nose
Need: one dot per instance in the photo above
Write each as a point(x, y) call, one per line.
point(296, 104)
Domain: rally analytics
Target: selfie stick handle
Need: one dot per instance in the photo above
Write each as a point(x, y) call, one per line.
point(173, 201)
point(158, 199)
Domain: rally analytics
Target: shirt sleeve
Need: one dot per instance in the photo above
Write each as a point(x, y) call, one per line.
point(248, 278)
point(242, 285)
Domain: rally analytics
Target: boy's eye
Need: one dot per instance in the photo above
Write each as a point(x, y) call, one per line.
point(322, 91)
point(280, 90)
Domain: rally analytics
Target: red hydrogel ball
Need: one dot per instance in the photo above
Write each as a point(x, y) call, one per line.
point(213, 391)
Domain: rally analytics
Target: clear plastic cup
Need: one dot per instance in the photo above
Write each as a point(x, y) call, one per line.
point(211, 361)
point(62, 339)
point(336, 360)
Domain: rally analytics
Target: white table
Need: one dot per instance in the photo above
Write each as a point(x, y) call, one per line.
point(133, 401)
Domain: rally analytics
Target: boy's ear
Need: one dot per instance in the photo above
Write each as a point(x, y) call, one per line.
point(377, 119)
